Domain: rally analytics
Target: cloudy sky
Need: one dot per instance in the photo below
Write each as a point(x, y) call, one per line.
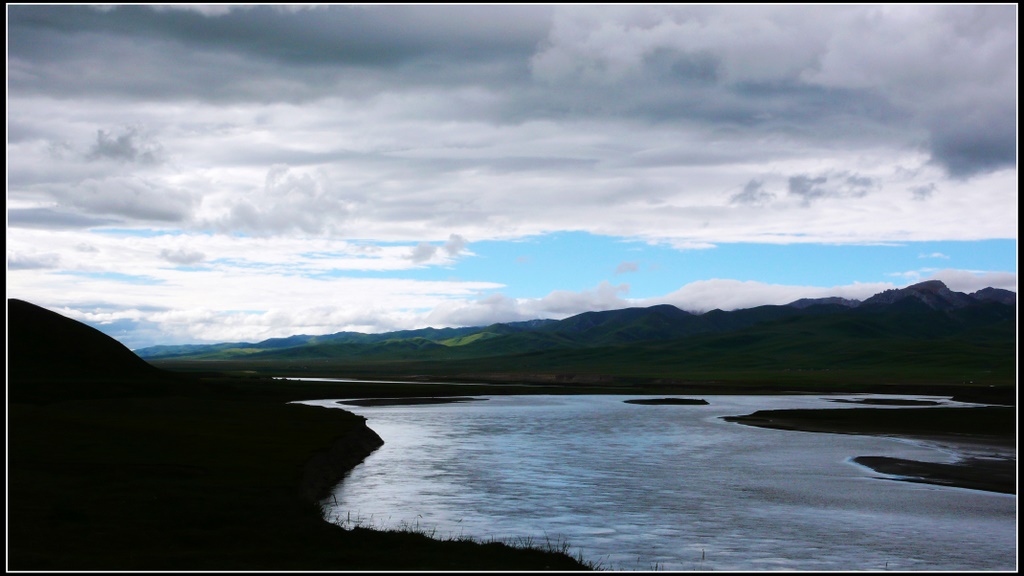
point(230, 173)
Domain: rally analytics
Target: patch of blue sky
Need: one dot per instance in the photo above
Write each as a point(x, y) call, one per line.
point(116, 277)
point(535, 266)
point(578, 261)
point(827, 265)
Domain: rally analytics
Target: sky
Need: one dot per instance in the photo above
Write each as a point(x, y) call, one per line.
point(212, 173)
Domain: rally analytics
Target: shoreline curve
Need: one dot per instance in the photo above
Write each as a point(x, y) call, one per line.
point(325, 469)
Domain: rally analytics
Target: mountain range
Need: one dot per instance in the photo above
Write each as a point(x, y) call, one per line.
point(928, 311)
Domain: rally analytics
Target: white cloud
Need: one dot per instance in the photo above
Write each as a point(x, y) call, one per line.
point(724, 294)
point(605, 296)
point(482, 312)
point(970, 281)
point(182, 256)
point(289, 201)
point(557, 304)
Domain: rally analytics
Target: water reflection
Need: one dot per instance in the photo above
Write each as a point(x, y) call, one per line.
point(643, 486)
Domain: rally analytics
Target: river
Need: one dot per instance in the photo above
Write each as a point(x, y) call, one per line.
point(669, 487)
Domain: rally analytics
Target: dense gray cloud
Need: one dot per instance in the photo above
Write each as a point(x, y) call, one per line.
point(49, 218)
point(19, 261)
point(223, 134)
point(127, 146)
point(843, 185)
point(129, 197)
point(970, 142)
point(808, 188)
point(949, 65)
point(263, 53)
point(754, 193)
point(825, 72)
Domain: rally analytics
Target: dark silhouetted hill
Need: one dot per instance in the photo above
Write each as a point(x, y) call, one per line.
point(50, 354)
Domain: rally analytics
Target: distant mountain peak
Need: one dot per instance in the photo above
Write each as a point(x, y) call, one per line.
point(933, 293)
point(605, 327)
point(996, 295)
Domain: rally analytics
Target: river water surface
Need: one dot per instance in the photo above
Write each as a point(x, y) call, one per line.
point(667, 487)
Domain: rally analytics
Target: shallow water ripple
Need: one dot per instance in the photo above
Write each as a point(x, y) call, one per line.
point(668, 487)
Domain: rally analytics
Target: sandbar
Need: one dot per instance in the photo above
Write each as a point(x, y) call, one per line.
point(984, 437)
point(407, 401)
point(669, 401)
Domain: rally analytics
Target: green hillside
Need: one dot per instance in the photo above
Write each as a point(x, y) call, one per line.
point(819, 346)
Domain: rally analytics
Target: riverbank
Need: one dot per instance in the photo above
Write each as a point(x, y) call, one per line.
point(984, 437)
point(221, 476)
point(206, 480)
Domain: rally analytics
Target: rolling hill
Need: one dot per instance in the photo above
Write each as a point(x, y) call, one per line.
point(924, 332)
point(926, 310)
point(52, 356)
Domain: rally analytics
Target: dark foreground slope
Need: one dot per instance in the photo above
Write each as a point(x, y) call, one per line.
point(144, 471)
point(49, 355)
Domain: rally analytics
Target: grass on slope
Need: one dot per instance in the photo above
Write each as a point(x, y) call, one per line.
point(871, 348)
